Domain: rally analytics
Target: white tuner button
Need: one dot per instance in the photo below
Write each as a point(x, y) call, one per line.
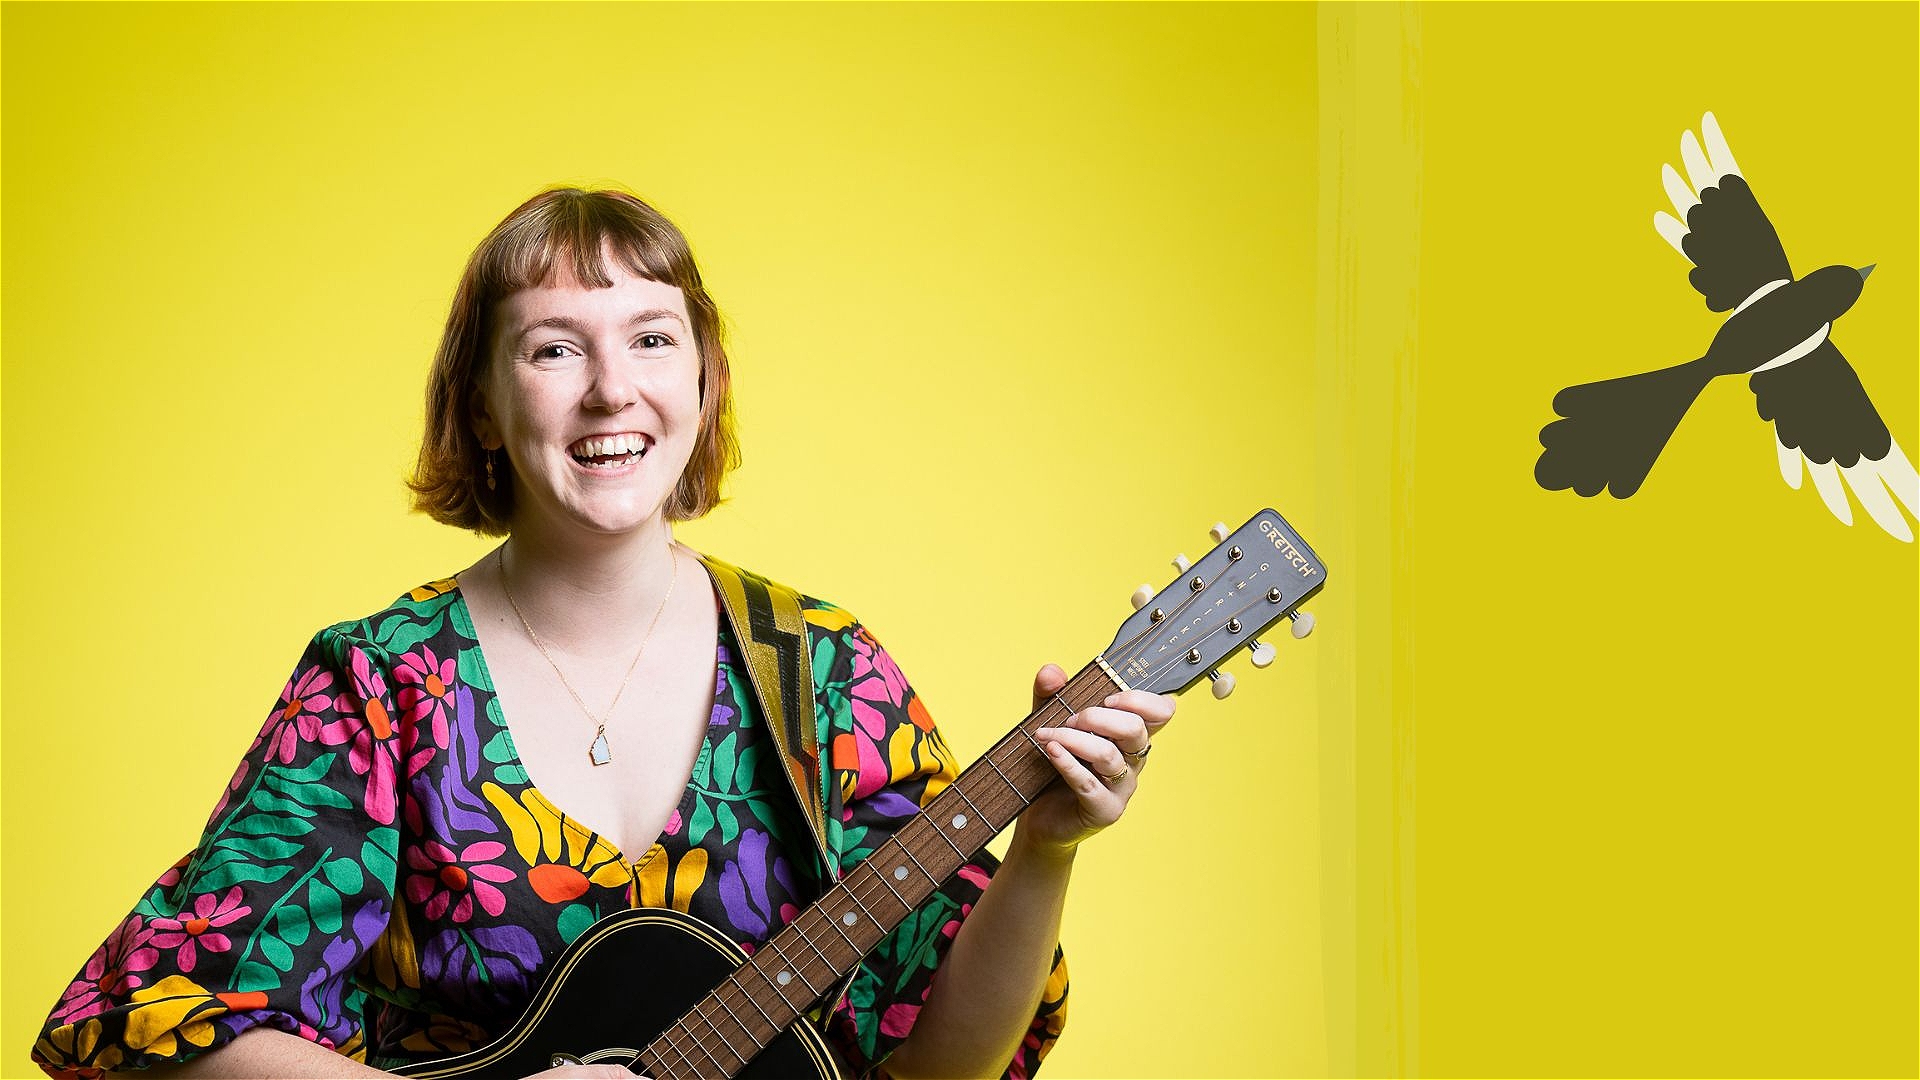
point(1222, 684)
point(1141, 595)
point(1218, 532)
point(1262, 654)
point(1302, 623)
point(1180, 563)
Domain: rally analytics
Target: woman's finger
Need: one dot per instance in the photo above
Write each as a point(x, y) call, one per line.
point(1091, 790)
point(1125, 729)
point(1098, 754)
point(1047, 682)
point(1155, 709)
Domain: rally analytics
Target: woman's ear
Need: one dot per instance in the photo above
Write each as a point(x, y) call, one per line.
point(484, 428)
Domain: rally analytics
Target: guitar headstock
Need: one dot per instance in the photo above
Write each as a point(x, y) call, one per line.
point(1255, 576)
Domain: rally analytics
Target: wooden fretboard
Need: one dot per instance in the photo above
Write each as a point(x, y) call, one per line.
point(788, 974)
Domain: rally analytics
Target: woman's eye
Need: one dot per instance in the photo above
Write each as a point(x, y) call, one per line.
point(655, 341)
point(542, 353)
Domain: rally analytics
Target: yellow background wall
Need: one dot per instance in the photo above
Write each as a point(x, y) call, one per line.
point(1023, 298)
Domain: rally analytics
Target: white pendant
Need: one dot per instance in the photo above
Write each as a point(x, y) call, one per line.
point(600, 752)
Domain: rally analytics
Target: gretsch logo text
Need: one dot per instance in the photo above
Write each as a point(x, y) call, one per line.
point(1287, 550)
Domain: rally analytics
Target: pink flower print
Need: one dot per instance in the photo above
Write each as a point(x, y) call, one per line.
point(444, 879)
point(110, 971)
point(876, 679)
point(199, 929)
point(898, 1020)
point(365, 730)
point(303, 701)
point(426, 684)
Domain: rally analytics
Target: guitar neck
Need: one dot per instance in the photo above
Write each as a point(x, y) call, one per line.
point(808, 958)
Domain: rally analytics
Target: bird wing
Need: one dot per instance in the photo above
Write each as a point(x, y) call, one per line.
point(1824, 423)
point(1730, 242)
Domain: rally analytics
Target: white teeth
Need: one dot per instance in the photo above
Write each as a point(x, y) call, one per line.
point(606, 445)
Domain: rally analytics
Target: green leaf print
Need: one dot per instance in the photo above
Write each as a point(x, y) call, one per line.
point(381, 853)
point(292, 925)
point(250, 976)
point(702, 821)
point(324, 906)
point(314, 794)
point(405, 630)
point(574, 920)
point(344, 874)
point(723, 759)
point(272, 825)
point(729, 825)
point(472, 668)
point(234, 871)
point(313, 770)
point(277, 954)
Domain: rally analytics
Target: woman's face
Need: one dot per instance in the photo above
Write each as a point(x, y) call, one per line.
point(594, 395)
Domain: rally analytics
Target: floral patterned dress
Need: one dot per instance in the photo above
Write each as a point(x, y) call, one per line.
point(380, 876)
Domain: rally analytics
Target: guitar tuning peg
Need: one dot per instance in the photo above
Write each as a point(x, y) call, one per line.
point(1180, 563)
point(1302, 623)
point(1222, 684)
point(1261, 652)
point(1141, 595)
point(1218, 532)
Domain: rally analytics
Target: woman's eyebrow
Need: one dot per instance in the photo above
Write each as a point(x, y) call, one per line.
point(567, 322)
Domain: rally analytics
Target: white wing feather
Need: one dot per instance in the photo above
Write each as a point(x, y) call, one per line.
point(1826, 480)
point(1718, 152)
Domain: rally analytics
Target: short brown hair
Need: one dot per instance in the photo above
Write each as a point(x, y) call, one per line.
point(575, 225)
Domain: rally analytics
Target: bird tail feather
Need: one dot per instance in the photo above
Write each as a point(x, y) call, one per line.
point(1612, 431)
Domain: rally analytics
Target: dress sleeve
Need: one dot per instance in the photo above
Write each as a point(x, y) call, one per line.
point(888, 760)
point(266, 920)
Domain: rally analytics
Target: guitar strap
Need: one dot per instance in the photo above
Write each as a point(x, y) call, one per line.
point(772, 633)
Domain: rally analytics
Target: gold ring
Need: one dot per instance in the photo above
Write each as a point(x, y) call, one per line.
point(1140, 756)
point(1116, 777)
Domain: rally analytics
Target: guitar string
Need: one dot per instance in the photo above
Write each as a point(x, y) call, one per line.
point(854, 895)
point(1155, 673)
point(1126, 647)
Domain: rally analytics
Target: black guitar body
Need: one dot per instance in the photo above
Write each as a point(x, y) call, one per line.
point(619, 986)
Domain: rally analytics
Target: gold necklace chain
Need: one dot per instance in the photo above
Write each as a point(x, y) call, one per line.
point(599, 751)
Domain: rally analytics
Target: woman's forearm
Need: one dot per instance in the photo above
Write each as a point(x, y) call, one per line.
point(262, 1053)
point(984, 996)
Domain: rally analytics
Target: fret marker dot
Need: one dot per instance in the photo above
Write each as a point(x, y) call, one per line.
point(849, 918)
point(783, 978)
point(959, 821)
point(899, 873)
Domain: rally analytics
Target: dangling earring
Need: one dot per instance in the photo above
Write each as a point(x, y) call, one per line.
point(490, 481)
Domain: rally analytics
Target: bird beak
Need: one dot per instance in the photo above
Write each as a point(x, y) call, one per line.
point(1867, 269)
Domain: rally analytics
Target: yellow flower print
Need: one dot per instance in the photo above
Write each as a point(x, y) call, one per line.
point(432, 589)
point(662, 884)
point(828, 618)
point(563, 857)
point(75, 1043)
point(177, 1010)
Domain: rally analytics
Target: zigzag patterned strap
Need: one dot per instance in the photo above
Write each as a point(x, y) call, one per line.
point(772, 633)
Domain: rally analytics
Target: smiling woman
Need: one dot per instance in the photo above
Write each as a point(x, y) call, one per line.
point(390, 876)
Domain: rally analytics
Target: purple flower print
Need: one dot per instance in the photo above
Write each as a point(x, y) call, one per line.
point(743, 887)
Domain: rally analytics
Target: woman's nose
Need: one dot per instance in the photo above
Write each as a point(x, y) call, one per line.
point(613, 387)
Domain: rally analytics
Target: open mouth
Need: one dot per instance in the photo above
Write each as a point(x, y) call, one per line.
point(609, 451)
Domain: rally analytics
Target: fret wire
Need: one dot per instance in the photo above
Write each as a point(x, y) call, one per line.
point(907, 850)
point(835, 923)
point(799, 970)
point(701, 1044)
point(958, 790)
point(956, 847)
point(692, 1069)
point(875, 895)
point(988, 758)
point(735, 983)
point(807, 937)
point(889, 885)
point(855, 897)
point(721, 1001)
point(656, 1068)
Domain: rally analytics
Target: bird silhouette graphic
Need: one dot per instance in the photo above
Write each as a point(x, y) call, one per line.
point(1779, 333)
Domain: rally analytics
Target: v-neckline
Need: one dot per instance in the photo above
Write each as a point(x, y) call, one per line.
point(588, 834)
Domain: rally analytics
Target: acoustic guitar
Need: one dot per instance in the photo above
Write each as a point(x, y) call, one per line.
point(726, 1014)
